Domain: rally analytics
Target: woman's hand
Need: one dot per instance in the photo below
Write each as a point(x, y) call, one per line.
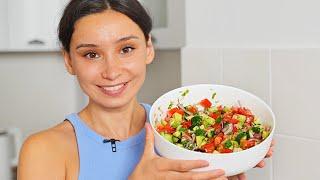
point(152, 166)
point(261, 164)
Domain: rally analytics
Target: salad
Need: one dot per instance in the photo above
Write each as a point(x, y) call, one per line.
point(212, 128)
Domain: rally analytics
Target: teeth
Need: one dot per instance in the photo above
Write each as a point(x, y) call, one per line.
point(113, 88)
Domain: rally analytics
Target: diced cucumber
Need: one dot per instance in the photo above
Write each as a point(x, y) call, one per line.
point(175, 139)
point(163, 122)
point(210, 133)
point(199, 140)
point(213, 109)
point(168, 137)
point(265, 134)
point(177, 116)
point(226, 109)
point(235, 144)
point(207, 121)
point(241, 135)
point(177, 134)
point(195, 128)
point(180, 145)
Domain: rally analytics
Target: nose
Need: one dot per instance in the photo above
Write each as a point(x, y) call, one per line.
point(112, 69)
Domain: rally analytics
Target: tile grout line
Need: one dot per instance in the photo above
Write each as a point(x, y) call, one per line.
point(221, 64)
point(299, 138)
point(270, 101)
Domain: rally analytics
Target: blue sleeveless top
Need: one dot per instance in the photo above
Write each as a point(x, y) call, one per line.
point(101, 158)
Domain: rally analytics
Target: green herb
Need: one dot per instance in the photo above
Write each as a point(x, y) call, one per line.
point(170, 105)
point(196, 121)
point(182, 129)
point(213, 95)
point(256, 129)
point(240, 136)
point(228, 144)
point(219, 119)
point(184, 93)
point(200, 132)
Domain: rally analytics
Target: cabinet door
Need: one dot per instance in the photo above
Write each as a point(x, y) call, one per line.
point(169, 22)
point(33, 24)
point(4, 29)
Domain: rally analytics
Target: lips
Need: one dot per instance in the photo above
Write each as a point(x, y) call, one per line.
point(114, 90)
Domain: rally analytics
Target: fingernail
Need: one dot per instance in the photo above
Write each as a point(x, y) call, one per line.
point(219, 172)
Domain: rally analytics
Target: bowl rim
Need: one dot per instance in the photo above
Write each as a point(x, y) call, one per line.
point(152, 109)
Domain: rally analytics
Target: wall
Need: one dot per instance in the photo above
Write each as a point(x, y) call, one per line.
point(272, 49)
point(36, 92)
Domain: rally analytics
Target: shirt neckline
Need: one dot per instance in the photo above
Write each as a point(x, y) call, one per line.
point(133, 140)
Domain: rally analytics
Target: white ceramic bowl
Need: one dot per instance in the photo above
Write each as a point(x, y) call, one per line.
point(232, 163)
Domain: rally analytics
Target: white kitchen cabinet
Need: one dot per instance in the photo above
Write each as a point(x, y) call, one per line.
point(169, 22)
point(31, 25)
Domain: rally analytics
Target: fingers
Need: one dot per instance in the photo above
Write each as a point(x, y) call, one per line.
point(216, 174)
point(241, 176)
point(165, 164)
point(261, 164)
point(149, 144)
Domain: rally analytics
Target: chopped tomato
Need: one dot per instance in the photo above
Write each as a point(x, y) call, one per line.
point(192, 109)
point(167, 129)
point(225, 150)
point(231, 120)
point(245, 144)
point(214, 115)
point(244, 111)
point(209, 147)
point(250, 119)
point(217, 127)
point(235, 129)
point(217, 140)
point(220, 108)
point(251, 143)
point(175, 110)
point(205, 103)
point(186, 124)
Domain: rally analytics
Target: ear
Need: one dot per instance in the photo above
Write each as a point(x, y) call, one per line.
point(68, 62)
point(150, 51)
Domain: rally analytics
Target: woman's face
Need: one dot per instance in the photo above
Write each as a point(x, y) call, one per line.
point(109, 54)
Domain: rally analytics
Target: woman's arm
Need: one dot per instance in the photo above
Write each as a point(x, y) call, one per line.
point(41, 158)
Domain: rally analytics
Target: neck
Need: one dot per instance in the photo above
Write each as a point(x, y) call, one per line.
point(117, 123)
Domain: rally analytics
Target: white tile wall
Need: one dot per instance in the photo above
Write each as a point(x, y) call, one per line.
point(252, 23)
point(247, 69)
point(296, 159)
point(289, 79)
point(200, 65)
point(295, 91)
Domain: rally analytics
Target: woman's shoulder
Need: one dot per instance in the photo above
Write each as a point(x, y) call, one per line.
point(54, 137)
point(48, 148)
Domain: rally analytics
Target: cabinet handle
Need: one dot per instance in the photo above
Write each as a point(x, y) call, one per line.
point(36, 42)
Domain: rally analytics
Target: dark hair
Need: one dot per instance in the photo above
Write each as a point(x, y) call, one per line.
point(77, 9)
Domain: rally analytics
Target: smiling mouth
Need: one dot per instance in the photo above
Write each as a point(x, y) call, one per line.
point(114, 90)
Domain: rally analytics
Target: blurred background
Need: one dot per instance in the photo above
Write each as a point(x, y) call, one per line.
point(270, 48)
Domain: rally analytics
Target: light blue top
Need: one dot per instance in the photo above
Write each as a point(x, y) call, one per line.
point(96, 156)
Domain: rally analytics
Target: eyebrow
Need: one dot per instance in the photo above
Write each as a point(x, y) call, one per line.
point(119, 40)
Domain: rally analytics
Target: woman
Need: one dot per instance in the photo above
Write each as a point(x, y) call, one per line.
point(106, 45)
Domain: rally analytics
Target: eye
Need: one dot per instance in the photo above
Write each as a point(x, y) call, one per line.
point(92, 55)
point(127, 49)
